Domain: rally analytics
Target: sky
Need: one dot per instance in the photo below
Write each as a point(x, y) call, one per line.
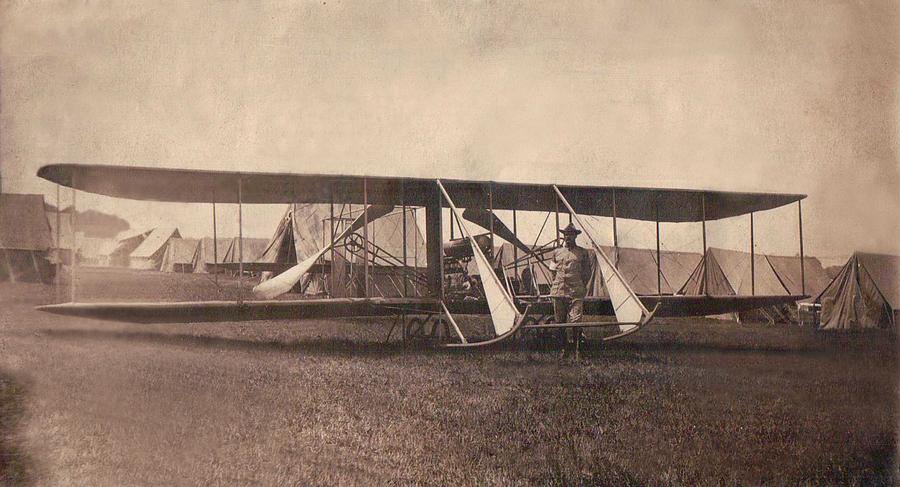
point(796, 97)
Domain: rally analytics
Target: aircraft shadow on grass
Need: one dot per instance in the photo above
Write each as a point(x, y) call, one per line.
point(312, 346)
point(328, 346)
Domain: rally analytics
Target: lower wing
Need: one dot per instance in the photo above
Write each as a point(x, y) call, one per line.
point(219, 311)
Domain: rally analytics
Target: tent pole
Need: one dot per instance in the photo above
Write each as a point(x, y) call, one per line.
point(240, 241)
point(658, 261)
point(802, 266)
point(405, 262)
point(752, 259)
point(366, 236)
point(705, 259)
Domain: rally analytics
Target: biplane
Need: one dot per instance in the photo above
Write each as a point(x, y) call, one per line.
point(424, 295)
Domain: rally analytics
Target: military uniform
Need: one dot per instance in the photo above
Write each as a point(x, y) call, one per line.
point(573, 272)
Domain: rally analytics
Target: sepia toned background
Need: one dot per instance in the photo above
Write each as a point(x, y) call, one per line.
point(753, 96)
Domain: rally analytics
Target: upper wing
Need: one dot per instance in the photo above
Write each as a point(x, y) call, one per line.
point(193, 186)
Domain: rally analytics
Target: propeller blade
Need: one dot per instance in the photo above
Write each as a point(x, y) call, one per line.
point(483, 219)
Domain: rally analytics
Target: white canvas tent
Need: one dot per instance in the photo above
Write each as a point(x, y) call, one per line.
point(206, 254)
point(252, 248)
point(126, 243)
point(788, 270)
point(149, 254)
point(865, 294)
point(179, 255)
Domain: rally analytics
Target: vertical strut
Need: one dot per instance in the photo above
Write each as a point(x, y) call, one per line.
point(58, 245)
point(333, 271)
point(215, 245)
point(415, 215)
point(491, 209)
point(658, 259)
point(802, 264)
point(240, 240)
point(434, 256)
point(452, 233)
point(366, 237)
point(752, 259)
point(556, 212)
point(615, 229)
point(705, 257)
point(406, 272)
point(73, 222)
point(515, 247)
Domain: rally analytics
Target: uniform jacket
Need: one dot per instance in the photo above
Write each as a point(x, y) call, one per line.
point(573, 272)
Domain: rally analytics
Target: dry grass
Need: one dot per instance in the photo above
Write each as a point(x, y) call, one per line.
point(697, 402)
point(14, 463)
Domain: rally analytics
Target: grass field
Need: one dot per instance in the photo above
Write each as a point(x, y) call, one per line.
point(691, 402)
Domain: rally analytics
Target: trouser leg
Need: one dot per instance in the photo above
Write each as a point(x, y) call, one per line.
point(575, 314)
point(561, 315)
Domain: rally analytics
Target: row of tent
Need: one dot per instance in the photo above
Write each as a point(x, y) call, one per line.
point(163, 249)
point(300, 232)
point(864, 294)
point(722, 273)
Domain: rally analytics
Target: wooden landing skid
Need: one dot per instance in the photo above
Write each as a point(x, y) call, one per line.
point(588, 324)
point(496, 339)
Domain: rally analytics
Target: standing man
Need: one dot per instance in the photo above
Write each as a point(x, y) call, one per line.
point(572, 266)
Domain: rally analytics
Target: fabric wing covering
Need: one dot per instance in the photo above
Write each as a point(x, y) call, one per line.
point(625, 304)
point(864, 294)
point(503, 312)
point(186, 186)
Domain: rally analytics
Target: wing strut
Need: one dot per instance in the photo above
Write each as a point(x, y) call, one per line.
point(630, 312)
point(504, 314)
point(283, 282)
